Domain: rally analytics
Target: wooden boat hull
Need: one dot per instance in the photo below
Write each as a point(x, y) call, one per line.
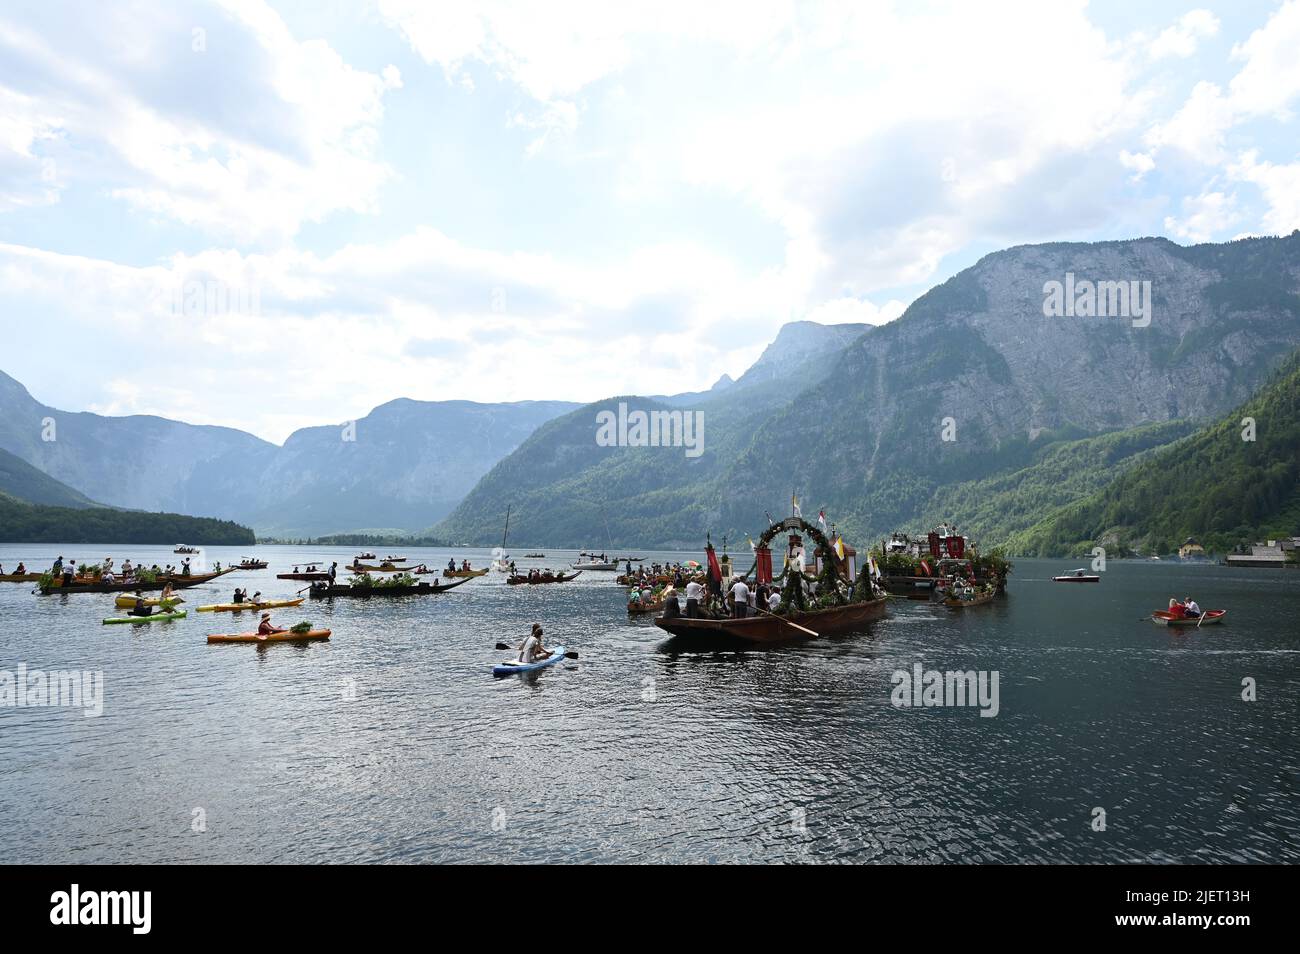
point(770, 629)
point(1210, 618)
point(978, 600)
point(177, 582)
point(289, 637)
point(417, 589)
point(382, 568)
point(305, 577)
point(20, 578)
point(561, 578)
point(464, 574)
point(251, 566)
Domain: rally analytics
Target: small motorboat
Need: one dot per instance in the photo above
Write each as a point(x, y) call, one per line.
point(1077, 576)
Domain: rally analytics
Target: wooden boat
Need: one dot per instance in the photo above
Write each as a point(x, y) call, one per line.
point(556, 578)
point(1077, 576)
point(186, 550)
point(769, 628)
point(978, 598)
point(286, 637)
point(535, 556)
point(635, 608)
point(382, 568)
point(466, 574)
point(321, 591)
point(178, 582)
point(252, 565)
point(19, 577)
point(1208, 618)
point(308, 577)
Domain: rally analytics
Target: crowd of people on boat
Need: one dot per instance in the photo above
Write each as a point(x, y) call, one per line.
point(67, 571)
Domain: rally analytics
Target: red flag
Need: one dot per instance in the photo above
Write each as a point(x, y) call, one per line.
point(925, 568)
point(715, 571)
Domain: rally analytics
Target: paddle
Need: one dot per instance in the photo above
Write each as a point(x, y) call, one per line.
point(787, 622)
point(568, 655)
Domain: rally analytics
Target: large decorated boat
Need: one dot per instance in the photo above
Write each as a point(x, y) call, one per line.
point(834, 598)
point(917, 566)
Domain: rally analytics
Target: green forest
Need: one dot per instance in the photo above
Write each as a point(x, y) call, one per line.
point(31, 523)
point(1215, 485)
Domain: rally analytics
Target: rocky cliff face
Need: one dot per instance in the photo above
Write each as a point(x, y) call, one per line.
point(970, 382)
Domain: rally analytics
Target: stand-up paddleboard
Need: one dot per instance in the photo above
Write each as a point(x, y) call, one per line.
point(512, 666)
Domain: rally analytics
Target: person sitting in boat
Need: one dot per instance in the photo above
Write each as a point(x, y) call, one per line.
point(141, 606)
point(238, 597)
point(773, 601)
point(532, 648)
point(108, 577)
point(672, 606)
point(266, 629)
point(740, 599)
point(1190, 608)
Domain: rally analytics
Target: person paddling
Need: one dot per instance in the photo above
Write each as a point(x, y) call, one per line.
point(532, 648)
point(266, 629)
point(141, 607)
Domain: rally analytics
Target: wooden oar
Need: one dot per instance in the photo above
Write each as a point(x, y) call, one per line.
point(787, 622)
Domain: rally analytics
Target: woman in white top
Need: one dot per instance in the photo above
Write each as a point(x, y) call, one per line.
point(532, 649)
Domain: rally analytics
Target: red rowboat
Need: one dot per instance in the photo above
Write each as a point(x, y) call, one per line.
point(1166, 618)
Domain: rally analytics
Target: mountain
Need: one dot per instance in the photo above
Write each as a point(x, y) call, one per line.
point(973, 382)
point(138, 462)
point(410, 462)
point(564, 486)
point(22, 481)
point(22, 522)
point(1213, 485)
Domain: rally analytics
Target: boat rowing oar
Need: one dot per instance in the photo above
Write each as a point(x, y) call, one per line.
point(568, 655)
point(787, 622)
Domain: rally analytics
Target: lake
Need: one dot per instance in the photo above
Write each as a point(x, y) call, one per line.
point(393, 743)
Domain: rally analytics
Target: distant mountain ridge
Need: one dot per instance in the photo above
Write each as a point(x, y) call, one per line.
point(24, 482)
point(976, 358)
point(410, 462)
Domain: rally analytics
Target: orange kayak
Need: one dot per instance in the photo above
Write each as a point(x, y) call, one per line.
point(286, 637)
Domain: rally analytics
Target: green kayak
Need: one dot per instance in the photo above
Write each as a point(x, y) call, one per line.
point(117, 620)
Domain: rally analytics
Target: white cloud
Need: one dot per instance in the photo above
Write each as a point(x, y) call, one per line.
point(1140, 162)
point(1181, 39)
point(1280, 186)
point(847, 310)
point(1205, 217)
point(213, 166)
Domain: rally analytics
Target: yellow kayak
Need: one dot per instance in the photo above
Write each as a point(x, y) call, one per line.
point(126, 602)
point(240, 607)
point(286, 637)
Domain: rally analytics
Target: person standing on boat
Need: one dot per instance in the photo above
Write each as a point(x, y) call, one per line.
point(740, 599)
point(693, 594)
point(532, 649)
point(334, 571)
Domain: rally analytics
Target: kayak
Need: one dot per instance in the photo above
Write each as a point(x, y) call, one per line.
point(511, 666)
point(1209, 618)
point(240, 607)
point(120, 620)
point(126, 602)
point(289, 637)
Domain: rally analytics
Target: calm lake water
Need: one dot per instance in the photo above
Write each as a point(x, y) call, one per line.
point(393, 742)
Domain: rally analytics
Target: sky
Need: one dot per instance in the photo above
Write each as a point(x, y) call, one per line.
point(272, 215)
